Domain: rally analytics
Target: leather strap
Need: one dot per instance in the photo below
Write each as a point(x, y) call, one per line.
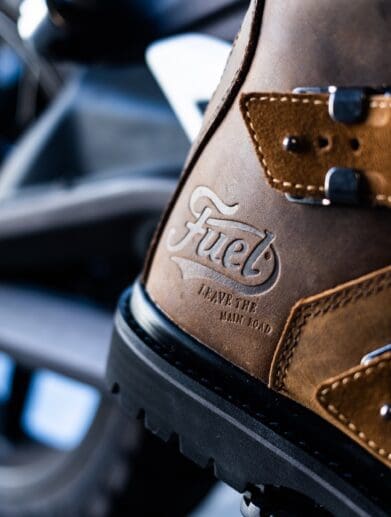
point(322, 143)
point(354, 401)
point(330, 332)
point(325, 338)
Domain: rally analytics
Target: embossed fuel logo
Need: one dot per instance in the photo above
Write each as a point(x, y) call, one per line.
point(214, 246)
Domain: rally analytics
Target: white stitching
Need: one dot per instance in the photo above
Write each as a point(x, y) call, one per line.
point(286, 184)
point(380, 104)
point(332, 409)
point(383, 197)
point(316, 102)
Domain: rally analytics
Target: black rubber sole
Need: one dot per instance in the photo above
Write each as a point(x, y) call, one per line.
point(223, 418)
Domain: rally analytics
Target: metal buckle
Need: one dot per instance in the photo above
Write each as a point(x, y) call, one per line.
point(341, 186)
point(375, 354)
point(346, 106)
point(385, 409)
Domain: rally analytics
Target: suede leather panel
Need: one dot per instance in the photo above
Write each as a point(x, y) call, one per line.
point(329, 333)
point(270, 117)
point(352, 402)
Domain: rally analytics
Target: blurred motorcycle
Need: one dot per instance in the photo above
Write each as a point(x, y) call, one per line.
point(84, 178)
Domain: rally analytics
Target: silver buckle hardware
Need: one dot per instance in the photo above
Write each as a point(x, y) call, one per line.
point(375, 354)
point(346, 106)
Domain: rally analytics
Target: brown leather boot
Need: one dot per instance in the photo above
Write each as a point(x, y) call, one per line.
point(259, 331)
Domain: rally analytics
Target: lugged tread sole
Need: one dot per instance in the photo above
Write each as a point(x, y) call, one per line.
point(215, 431)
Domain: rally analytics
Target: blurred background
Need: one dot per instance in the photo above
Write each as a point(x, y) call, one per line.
point(99, 103)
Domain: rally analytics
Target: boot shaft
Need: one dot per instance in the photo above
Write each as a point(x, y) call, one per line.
point(242, 267)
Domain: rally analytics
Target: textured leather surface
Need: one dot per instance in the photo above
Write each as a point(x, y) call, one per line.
point(230, 77)
point(316, 248)
point(233, 256)
point(271, 117)
point(352, 401)
point(236, 68)
point(329, 333)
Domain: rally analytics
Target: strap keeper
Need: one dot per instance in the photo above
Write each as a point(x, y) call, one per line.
point(342, 186)
point(347, 105)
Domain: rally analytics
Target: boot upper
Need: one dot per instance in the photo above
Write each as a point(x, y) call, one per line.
point(252, 259)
